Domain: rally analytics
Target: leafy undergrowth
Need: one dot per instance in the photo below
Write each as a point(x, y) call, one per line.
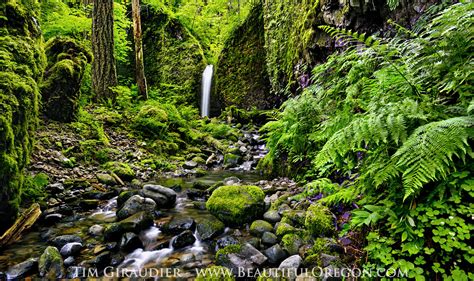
point(387, 127)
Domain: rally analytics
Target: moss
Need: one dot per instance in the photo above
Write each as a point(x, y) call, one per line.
point(312, 257)
point(319, 220)
point(22, 59)
point(67, 59)
point(215, 273)
point(284, 229)
point(123, 170)
point(235, 205)
point(50, 264)
point(34, 187)
point(241, 76)
point(175, 59)
point(221, 255)
point(292, 242)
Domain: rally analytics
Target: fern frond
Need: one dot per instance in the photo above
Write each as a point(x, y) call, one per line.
point(428, 153)
point(343, 33)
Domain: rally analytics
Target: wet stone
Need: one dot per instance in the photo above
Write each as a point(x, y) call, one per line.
point(71, 249)
point(178, 225)
point(184, 239)
point(23, 269)
point(62, 240)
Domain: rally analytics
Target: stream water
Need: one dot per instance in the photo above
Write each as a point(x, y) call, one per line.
point(187, 259)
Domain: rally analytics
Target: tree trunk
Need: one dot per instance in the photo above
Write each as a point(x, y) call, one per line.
point(104, 73)
point(137, 35)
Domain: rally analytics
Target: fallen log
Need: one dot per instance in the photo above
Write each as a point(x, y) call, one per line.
point(24, 222)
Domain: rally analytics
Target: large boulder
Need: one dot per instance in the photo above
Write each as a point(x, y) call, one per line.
point(136, 204)
point(240, 257)
point(236, 205)
point(163, 196)
point(51, 264)
point(209, 227)
point(135, 223)
point(67, 60)
point(23, 269)
point(241, 75)
point(22, 62)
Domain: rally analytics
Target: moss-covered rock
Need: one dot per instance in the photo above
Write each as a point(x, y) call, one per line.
point(319, 220)
point(241, 74)
point(22, 62)
point(51, 265)
point(67, 60)
point(291, 243)
point(175, 59)
point(123, 170)
point(284, 228)
point(235, 205)
point(258, 227)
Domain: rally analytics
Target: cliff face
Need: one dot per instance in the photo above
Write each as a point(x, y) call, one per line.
point(241, 76)
point(174, 58)
point(294, 44)
point(22, 61)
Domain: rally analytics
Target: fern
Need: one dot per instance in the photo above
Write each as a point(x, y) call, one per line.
point(349, 35)
point(428, 153)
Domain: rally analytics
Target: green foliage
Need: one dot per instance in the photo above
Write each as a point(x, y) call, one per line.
point(390, 124)
point(33, 188)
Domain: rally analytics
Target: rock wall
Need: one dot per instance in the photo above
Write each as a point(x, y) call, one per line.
point(67, 60)
point(22, 62)
point(241, 75)
point(294, 44)
point(174, 59)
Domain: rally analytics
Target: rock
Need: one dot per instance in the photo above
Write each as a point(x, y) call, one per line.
point(102, 260)
point(88, 204)
point(292, 243)
point(69, 261)
point(199, 205)
point(258, 227)
point(231, 181)
point(231, 160)
point(291, 262)
point(284, 228)
point(55, 188)
point(122, 170)
point(106, 179)
point(272, 216)
point(130, 241)
point(225, 241)
point(136, 204)
point(71, 249)
point(62, 240)
point(52, 219)
point(269, 238)
point(295, 217)
point(178, 225)
point(255, 242)
point(135, 223)
point(51, 264)
point(190, 165)
point(237, 257)
point(209, 227)
point(163, 196)
point(236, 205)
point(326, 259)
point(96, 230)
point(124, 196)
point(184, 239)
point(275, 254)
point(23, 269)
point(319, 220)
point(196, 194)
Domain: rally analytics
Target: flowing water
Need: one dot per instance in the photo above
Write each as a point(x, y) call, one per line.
point(187, 259)
point(206, 90)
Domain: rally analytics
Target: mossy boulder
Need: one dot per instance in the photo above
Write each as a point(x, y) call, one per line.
point(51, 265)
point(209, 227)
point(241, 74)
point(292, 242)
point(123, 170)
point(236, 205)
point(22, 59)
point(319, 220)
point(67, 60)
point(175, 60)
point(258, 227)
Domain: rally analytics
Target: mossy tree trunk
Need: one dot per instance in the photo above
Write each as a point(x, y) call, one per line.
point(137, 35)
point(104, 73)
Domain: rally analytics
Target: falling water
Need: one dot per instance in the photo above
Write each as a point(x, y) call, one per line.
point(206, 90)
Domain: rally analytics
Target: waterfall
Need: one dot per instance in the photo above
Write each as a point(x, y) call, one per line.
point(206, 90)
